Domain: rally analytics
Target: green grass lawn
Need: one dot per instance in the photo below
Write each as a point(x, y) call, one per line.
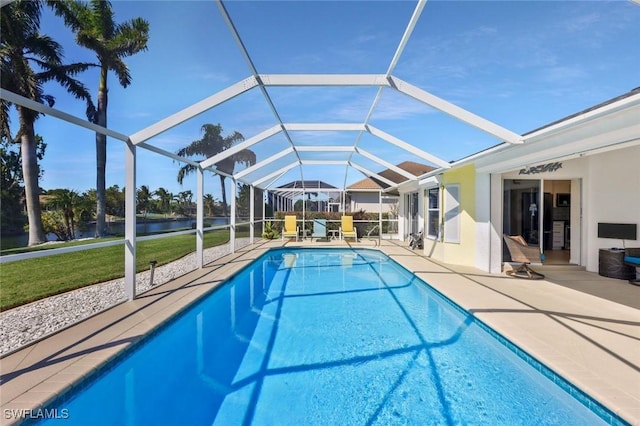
point(28, 280)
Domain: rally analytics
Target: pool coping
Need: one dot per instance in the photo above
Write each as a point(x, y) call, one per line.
point(40, 373)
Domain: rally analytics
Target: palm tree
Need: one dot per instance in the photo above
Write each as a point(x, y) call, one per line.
point(213, 143)
point(209, 204)
point(164, 200)
point(67, 201)
point(96, 30)
point(183, 200)
point(144, 199)
point(21, 46)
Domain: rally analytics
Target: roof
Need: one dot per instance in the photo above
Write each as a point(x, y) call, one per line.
point(416, 169)
point(583, 112)
point(593, 108)
point(307, 184)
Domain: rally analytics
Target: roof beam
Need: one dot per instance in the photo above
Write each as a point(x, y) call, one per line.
point(245, 53)
point(244, 145)
point(263, 163)
point(167, 154)
point(16, 99)
point(280, 172)
point(323, 79)
point(324, 162)
point(455, 111)
point(405, 37)
point(407, 147)
point(386, 164)
point(219, 172)
point(327, 148)
point(193, 110)
point(394, 61)
point(368, 173)
point(275, 180)
point(339, 127)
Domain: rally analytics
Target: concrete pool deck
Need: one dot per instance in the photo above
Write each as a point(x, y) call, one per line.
point(583, 326)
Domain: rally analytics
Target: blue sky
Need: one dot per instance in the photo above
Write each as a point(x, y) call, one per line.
point(519, 64)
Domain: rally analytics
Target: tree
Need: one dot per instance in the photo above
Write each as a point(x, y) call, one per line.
point(12, 219)
point(115, 200)
point(183, 200)
point(209, 204)
point(29, 60)
point(244, 201)
point(84, 210)
point(164, 200)
point(66, 201)
point(94, 26)
point(213, 143)
point(144, 199)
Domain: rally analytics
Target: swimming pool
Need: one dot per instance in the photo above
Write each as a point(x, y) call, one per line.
point(322, 336)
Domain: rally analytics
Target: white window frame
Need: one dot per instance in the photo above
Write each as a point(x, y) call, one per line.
point(432, 212)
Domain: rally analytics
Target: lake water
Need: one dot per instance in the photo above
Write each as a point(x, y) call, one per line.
point(117, 228)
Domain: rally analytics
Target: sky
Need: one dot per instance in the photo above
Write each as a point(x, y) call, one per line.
point(519, 64)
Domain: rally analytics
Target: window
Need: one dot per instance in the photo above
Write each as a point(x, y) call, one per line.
point(452, 214)
point(433, 212)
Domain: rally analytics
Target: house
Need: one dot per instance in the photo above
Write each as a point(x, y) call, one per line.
point(314, 195)
point(369, 194)
point(557, 189)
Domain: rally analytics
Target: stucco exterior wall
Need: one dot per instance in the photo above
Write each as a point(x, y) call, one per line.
point(605, 188)
point(612, 194)
point(464, 251)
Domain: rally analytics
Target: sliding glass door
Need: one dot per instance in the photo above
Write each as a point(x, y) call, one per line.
point(522, 209)
point(541, 211)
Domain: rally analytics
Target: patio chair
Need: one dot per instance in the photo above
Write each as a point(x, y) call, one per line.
point(416, 241)
point(522, 252)
point(319, 229)
point(290, 228)
point(347, 230)
point(632, 258)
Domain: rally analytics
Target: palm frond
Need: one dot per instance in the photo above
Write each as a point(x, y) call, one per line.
point(122, 71)
point(184, 171)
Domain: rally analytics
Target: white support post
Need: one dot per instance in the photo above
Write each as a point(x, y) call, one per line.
point(264, 208)
point(232, 223)
point(380, 216)
point(540, 216)
point(483, 222)
point(200, 219)
point(130, 222)
point(251, 215)
point(496, 225)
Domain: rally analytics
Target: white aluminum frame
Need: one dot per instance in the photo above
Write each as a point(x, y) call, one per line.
point(142, 137)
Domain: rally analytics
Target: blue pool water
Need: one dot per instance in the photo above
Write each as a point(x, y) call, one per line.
point(323, 337)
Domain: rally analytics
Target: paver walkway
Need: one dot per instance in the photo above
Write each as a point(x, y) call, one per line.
point(583, 326)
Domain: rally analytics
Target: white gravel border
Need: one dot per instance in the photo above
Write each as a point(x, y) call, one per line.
point(25, 324)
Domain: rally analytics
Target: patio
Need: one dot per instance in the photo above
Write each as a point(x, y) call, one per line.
point(583, 326)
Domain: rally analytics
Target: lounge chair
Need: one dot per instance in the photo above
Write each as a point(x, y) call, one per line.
point(632, 258)
point(522, 252)
point(347, 230)
point(290, 228)
point(319, 229)
point(416, 241)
